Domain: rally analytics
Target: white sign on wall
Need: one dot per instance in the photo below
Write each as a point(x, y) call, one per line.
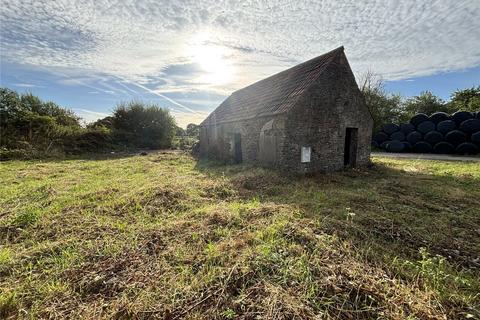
point(306, 152)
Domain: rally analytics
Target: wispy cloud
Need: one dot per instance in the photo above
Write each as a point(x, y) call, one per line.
point(177, 104)
point(141, 37)
point(95, 113)
point(89, 115)
point(27, 85)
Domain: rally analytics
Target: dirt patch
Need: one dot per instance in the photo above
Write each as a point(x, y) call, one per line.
point(9, 234)
point(220, 217)
point(221, 190)
point(100, 195)
point(153, 202)
point(267, 183)
point(265, 210)
point(106, 277)
point(170, 200)
point(155, 243)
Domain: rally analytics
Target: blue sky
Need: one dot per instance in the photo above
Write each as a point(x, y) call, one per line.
point(442, 84)
point(189, 55)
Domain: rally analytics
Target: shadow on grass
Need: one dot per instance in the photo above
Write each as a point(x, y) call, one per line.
point(384, 208)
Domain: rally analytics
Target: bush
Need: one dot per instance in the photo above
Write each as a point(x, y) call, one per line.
point(184, 142)
point(31, 128)
point(141, 125)
point(88, 140)
point(25, 120)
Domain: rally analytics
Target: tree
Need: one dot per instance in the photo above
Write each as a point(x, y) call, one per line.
point(426, 102)
point(143, 125)
point(383, 107)
point(179, 131)
point(27, 120)
point(106, 122)
point(466, 99)
point(193, 130)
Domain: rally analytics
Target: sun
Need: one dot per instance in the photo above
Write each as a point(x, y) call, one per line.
point(213, 60)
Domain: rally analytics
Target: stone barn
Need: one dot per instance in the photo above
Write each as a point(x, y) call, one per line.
point(311, 117)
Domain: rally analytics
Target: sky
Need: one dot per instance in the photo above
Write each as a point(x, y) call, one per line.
point(188, 56)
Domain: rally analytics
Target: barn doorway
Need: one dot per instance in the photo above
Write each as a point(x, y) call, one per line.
point(237, 147)
point(350, 152)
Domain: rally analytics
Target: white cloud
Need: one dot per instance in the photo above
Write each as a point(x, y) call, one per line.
point(139, 40)
point(89, 115)
point(184, 118)
point(27, 85)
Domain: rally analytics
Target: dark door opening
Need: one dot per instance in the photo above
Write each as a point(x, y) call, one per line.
point(237, 147)
point(350, 152)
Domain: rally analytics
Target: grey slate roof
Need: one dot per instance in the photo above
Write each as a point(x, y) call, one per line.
point(273, 95)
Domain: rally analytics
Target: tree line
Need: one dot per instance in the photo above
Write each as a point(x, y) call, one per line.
point(32, 127)
point(394, 108)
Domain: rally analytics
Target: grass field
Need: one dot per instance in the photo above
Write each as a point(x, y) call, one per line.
point(162, 236)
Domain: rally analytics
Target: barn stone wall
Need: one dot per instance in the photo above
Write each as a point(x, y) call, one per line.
point(261, 140)
point(320, 119)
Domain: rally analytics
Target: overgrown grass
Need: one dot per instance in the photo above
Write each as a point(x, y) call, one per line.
point(161, 236)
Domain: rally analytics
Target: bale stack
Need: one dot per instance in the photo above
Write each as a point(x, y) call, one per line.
point(438, 133)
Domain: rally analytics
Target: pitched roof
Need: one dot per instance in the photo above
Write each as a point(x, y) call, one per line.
point(273, 95)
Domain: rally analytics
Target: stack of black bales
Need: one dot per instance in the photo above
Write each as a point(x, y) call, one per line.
point(438, 133)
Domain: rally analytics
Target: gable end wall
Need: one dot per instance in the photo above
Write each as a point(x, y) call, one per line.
point(320, 118)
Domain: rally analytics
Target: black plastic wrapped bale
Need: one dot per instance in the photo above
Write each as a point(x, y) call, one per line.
point(476, 137)
point(422, 147)
point(419, 118)
point(444, 148)
point(407, 146)
point(406, 128)
point(384, 144)
point(478, 115)
point(439, 117)
point(470, 125)
point(380, 137)
point(456, 137)
point(426, 126)
point(461, 116)
point(395, 146)
point(433, 137)
point(446, 126)
point(397, 136)
point(375, 144)
point(414, 137)
point(467, 148)
point(390, 128)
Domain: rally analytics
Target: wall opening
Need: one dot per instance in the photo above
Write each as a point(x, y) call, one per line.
point(351, 142)
point(267, 144)
point(237, 148)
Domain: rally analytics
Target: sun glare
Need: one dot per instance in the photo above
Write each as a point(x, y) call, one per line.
point(213, 59)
